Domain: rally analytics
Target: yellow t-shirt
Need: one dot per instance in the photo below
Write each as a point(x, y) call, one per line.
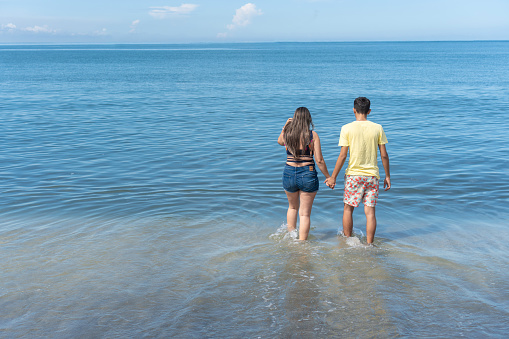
point(362, 139)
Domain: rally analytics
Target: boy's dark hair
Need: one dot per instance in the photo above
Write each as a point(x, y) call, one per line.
point(361, 105)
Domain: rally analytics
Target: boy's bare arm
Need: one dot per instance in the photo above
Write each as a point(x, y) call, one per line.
point(385, 162)
point(339, 164)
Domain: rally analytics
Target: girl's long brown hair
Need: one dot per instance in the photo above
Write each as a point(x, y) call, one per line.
point(296, 133)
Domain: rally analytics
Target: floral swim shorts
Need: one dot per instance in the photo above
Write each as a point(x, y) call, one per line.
point(359, 188)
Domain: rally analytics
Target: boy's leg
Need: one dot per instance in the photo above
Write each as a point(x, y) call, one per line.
point(370, 199)
point(347, 220)
point(293, 210)
point(370, 223)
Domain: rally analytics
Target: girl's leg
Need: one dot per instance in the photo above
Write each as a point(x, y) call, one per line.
point(348, 220)
point(370, 223)
point(293, 210)
point(306, 204)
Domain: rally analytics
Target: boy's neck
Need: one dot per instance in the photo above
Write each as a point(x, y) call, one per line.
point(360, 116)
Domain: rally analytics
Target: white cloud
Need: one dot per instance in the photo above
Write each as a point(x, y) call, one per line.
point(40, 29)
point(164, 11)
point(134, 24)
point(243, 17)
point(9, 27)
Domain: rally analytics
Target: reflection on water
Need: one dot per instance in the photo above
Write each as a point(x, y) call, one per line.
point(154, 277)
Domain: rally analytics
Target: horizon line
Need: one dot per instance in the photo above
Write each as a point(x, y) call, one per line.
point(241, 42)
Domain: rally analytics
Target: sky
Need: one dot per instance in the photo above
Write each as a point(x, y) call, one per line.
point(205, 21)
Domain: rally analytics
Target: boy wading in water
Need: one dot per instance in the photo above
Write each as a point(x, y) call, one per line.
point(361, 138)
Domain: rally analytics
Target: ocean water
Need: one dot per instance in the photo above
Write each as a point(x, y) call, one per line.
point(141, 191)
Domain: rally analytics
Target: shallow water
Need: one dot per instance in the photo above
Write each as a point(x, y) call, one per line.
point(141, 191)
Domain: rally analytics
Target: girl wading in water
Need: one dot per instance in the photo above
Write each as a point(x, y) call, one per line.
point(300, 179)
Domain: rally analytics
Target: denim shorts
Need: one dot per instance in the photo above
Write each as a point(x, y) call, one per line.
point(302, 178)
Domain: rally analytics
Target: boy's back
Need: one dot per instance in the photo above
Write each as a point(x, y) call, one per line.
point(362, 138)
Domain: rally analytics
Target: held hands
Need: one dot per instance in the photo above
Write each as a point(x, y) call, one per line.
point(331, 182)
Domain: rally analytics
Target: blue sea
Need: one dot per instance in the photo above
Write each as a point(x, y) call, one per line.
point(141, 191)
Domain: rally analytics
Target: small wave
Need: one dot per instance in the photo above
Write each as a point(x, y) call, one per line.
point(355, 240)
point(282, 234)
